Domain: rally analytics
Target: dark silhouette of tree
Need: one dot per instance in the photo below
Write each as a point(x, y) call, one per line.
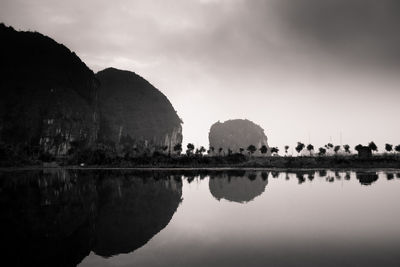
point(212, 149)
point(251, 149)
point(286, 149)
point(263, 149)
point(178, 148)
point(388, 147)
point(202, 150)
point(275, 174)
point(310, 148)
point(241, 150)
point(373, 146)
point(397, 148)
point(390, 176)
point(299, 147)
point(346, 148)
point(311, 176)
point(300, 178)
point(220, 150)
point(190, 148)
point(322, 173)
point(336, 149)
point(274, 150)
point(252, 176)
point(322, 151)
point(328, 146)
point(264, 175)
point(229, 151)
point(358, 147)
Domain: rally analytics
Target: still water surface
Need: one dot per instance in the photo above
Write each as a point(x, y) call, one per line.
point(207, 218)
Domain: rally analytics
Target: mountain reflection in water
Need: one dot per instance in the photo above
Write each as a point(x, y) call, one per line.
point(57, 218)
point(234, 187)
point(198, 218)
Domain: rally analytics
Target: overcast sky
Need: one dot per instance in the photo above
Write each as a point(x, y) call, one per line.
point(301, 69)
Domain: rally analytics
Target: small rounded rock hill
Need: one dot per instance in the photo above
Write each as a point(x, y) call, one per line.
point(236, 134)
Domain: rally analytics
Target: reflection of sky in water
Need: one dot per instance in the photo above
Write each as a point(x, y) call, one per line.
point(329, 221)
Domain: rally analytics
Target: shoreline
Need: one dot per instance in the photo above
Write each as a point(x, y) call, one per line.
point(93, 168)
point(202, 163)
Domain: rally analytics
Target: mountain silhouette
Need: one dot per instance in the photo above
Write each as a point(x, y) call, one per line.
point(48, 95)
point(52, 102)
point(236, 134)
point(134, 110)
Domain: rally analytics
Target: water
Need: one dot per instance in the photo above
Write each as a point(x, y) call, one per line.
point(207, 218)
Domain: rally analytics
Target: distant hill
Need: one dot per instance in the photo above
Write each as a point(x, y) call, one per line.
point(135, 112)
point(48, 95)
point(236, 134)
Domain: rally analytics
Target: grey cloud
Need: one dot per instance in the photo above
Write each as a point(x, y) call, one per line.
point(256, 57)
point(362, 29)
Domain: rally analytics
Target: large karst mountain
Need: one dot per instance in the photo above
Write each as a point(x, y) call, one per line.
point(236, 134)
point(48, 95)
point(133, 110)
point(52, 102)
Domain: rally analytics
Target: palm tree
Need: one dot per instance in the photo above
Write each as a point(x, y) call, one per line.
point(397, 148)
point(388, 147)
point(286, 149)
point(373, 146)
point(310, 148)
point(178, 148)
point(358, 147)
point(299, 147)
point(346, 148)
point(190, 148)
point(328, 146)
point(274, 150)
point(263, 149)
point(202, 150)
point(322, 151)
point(212, 149)
point(251, 149)
point(336, 149)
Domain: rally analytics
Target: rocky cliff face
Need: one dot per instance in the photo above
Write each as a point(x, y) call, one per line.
point(134, 113)
point(48, 95)
point(236, 134)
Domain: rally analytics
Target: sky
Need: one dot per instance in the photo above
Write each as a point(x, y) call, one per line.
point(314, 71)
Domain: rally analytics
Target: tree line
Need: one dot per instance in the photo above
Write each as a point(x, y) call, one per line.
point(300, 147)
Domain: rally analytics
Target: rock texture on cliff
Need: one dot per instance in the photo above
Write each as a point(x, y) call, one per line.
point(236, 134)
point(48, 95)
point(136, 113)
